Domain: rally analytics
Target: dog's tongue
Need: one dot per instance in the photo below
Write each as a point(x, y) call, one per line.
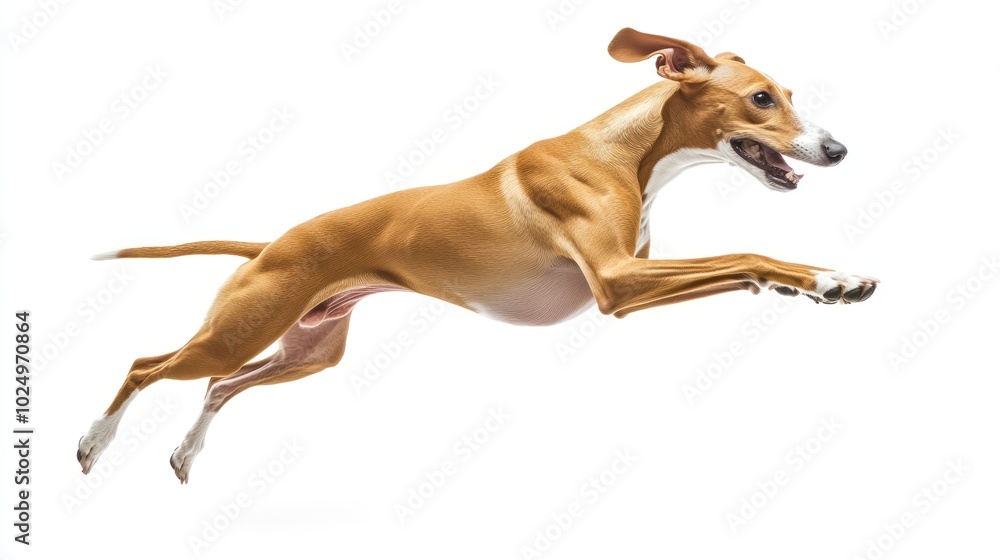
point(772, 157)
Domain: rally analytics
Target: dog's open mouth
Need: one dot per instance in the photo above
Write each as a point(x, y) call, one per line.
point(779, 173)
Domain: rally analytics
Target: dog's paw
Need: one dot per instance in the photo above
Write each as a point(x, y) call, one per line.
point(93, 444)
point(834, 287)
point(182, 459)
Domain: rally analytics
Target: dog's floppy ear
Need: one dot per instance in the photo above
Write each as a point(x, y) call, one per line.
point(674, 56)
point(730, 56)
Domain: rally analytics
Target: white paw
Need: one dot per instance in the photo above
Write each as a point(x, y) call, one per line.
point(102, 431)
point(183, 458)
point(834, 287)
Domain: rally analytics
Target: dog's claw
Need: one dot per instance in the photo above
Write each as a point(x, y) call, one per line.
point(822, 300)
point(833, 294)
point(869, 290)
point(818, 299)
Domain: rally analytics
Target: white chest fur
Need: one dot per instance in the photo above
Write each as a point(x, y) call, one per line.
point(666, 170)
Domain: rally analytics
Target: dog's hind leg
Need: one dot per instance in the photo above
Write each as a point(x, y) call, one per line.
point(251, 311)
point(304, 350)
point(103, 430)
point(248, 367)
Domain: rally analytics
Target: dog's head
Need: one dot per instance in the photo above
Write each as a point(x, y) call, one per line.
point(727, 106)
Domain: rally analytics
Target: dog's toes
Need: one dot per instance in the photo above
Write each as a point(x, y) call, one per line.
point(95, 441)
point(177, 464)
point(839, 287)
point(834, 287)
point(87, 453)
point(787, 291)
point(181, 460)
point(833, 294)
point(853, 295)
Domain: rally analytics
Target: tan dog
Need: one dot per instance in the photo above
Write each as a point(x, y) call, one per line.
point(540, 237)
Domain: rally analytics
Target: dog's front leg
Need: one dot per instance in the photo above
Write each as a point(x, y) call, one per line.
point(628, 284)
point(601, 234)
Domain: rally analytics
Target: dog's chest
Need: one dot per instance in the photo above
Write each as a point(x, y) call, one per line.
point(557, 293)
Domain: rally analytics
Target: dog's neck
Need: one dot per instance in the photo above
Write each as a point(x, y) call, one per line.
point(633, 137)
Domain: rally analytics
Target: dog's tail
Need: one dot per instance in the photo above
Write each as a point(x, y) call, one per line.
point(238, 248)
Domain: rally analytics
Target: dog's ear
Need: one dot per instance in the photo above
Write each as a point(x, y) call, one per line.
point(730, 56)
point(674, 58)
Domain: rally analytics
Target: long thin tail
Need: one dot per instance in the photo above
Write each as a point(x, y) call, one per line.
point(238, 248)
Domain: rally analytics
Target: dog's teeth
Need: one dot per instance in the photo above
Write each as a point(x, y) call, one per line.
point(791, 177)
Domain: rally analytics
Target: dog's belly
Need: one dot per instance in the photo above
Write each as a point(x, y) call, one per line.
point(557, 294)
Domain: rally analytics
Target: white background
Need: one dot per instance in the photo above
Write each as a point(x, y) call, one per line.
point(576, 392)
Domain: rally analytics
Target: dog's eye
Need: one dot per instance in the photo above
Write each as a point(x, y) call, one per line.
point(762, 99)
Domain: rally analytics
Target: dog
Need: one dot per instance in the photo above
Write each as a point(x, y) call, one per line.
point(547, 233)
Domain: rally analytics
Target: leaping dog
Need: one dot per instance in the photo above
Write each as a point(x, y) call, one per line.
point(546, 233)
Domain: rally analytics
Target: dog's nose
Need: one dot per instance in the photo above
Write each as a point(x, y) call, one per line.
point(835, 151)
